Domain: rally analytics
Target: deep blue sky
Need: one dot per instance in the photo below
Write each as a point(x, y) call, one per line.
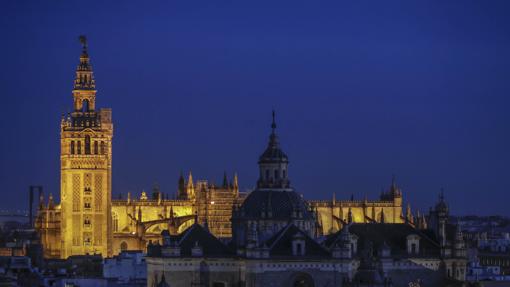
point(362, 90)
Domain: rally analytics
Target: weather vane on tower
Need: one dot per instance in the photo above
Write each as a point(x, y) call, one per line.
point(83, 42)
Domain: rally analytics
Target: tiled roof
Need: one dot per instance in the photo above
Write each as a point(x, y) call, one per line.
point(280, 204)
point(280, 244)
point(394, 235)
point(211, 246)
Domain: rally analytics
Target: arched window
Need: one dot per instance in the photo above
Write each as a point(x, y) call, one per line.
point(79, 147)
point(115, 222)
point(123, 246)
point(87, 144)
point(72, 147)
point(95, 147)
point(85, 106)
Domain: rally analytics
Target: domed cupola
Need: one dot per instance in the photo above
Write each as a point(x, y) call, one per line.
point(273, 164)
point(273, 204)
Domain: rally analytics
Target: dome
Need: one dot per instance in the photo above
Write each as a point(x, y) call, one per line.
point(273, 152)
point(275, 205)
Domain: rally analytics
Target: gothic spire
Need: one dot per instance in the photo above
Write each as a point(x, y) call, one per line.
point(225, 180)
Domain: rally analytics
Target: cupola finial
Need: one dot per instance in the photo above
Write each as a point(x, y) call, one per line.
point(273, 125)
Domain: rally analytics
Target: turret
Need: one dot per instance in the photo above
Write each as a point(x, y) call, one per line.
point(409, 215)
point(225, 180)
point(459, 248)
point(190, 189)
point(273, 164)
point(442, 215)
point(235, 186)
point(181, 189)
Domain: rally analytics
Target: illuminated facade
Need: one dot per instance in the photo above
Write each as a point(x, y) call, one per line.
point(333, 214)
point(88, 220)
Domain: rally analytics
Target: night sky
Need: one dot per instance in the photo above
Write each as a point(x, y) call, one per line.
point(362, 90)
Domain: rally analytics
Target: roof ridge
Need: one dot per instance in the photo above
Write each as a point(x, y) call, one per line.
point(281, 234)
point(187, 232)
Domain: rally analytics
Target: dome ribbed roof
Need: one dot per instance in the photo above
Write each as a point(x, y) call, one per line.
point(275, 205)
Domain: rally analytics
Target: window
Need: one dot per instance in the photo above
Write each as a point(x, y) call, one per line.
point(219, 284)
point(413, 248)
point(267, 174)
point(103, 151)
point(95, 147)
point(284, 174)
point(87, 205)
point(276, 174)
point(72, 147)
point(85, 106)
point(79, 147)
point(115, 222)
point(86, 222)
point(123, 246)
point(87, 144)
point(298, 249)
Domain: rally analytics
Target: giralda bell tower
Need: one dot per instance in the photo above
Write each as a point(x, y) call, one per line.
point(86, 169)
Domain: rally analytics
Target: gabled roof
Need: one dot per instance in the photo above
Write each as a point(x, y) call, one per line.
point(196, 234)
point(394, 235)
point(280, 244)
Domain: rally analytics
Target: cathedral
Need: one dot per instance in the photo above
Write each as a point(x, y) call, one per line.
point(276, 241)
point(89, 221)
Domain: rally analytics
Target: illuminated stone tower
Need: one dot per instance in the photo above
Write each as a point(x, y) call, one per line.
point(86, 168)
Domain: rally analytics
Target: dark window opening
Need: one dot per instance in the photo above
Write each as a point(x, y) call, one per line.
point(276, 174)
point(95, 147)
point(103, 151)
point(79, 147)
point(85, 106)
point(298, 249)
point(72, 147)
point(87, 144)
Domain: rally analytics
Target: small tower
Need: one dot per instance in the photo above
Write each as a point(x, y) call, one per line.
point(409, 215)
point(235, 185)
point(273, 164)
point(190, 189)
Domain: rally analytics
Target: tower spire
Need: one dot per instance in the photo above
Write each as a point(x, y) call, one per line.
point(273, 124)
